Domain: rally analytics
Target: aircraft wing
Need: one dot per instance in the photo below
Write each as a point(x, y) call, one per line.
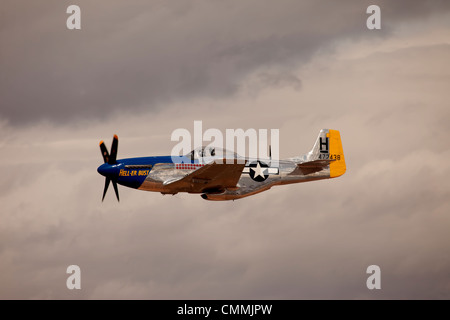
point(213, 177)
point(311, 167)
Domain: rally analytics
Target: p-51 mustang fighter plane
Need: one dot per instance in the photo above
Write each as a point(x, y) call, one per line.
point(209, 171)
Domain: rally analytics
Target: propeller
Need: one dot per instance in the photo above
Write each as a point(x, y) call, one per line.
point(110, 159)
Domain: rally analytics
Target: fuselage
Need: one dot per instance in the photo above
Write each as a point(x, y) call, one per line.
point(156, 173)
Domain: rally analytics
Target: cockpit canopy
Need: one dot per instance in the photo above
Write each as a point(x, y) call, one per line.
point(211, 152)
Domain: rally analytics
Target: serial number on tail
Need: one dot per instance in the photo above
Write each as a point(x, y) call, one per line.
point(326, 156)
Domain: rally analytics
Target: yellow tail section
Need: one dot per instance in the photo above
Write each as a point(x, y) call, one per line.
point(337, 167)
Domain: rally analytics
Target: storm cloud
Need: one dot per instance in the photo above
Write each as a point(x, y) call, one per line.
point(143, 69)
point(141, 55)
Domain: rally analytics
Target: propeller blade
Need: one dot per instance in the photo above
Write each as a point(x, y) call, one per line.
point(270, 151)
point(106, 188)
point(110, 159)
point(113, 155)
point(104, 151)
point(116, 190)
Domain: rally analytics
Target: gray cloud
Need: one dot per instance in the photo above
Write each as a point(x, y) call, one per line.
point(142, 55)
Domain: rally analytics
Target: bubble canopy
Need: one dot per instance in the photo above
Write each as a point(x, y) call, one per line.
point(211, 152)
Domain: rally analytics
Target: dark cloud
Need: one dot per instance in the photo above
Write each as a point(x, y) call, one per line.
point(142, 55)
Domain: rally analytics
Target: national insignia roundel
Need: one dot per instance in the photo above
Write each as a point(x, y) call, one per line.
point(258, 171)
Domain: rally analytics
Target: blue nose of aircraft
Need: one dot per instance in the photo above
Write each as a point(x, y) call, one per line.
point(108, 170)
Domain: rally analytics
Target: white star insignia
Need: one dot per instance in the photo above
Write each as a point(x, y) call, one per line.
point(259, 171)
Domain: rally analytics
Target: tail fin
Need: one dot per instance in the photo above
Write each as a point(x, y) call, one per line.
point(328, 146)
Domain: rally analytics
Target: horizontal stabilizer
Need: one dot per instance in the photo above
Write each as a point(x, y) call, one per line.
point(311, 166)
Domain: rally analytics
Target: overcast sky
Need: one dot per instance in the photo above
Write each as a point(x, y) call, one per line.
point(141, 69)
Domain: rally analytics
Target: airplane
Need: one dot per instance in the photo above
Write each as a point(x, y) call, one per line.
point(218, 174)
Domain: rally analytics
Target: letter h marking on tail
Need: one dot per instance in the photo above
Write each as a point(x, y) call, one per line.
point(323, 145)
